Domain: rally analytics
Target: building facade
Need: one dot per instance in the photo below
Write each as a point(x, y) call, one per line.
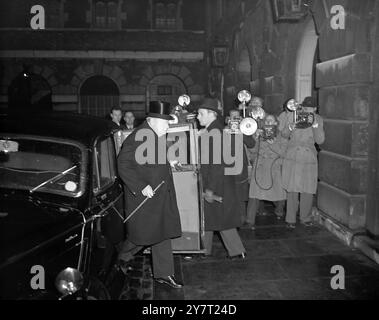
point(92, 55)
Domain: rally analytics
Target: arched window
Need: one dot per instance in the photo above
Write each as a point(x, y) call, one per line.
point(112, 15)
point(98, 95)
point(106, 14)
point(100, 15)
point(165, 15)
point(166, 87)
point(160, 16)
point(171, 16)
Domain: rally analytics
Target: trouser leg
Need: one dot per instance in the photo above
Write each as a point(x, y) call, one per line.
point(292, 206)
point(279, 208)
point(306, 202)
point(163, 259)
point(232, 242)
point(243, 211)
point(208, 242)
point(252, 209)
point(128, 250)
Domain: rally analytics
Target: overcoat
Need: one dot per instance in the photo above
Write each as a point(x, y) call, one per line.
point(300, 166)
point(225, 215)
point(158, 219)
point(266, 178)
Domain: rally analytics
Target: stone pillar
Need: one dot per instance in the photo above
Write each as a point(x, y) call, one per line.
point(344, 79)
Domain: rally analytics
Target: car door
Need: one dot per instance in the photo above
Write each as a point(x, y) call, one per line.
point(107, 202)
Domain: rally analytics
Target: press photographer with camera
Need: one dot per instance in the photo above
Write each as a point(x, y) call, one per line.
point(304, 128)
point(266, 177)
point(241, 180)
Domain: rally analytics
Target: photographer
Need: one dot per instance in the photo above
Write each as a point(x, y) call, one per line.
point(300, 167)
point(266, 178)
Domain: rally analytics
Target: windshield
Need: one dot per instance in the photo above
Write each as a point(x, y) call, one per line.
point(37, 165)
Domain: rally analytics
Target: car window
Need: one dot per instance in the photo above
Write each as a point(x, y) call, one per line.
point(105, 164)
point(38, 164)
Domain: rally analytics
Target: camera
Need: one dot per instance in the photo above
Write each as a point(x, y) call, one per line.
point(245, 124)
point(302, 118)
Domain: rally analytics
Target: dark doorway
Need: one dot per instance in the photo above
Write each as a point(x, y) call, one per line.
point(29, 91)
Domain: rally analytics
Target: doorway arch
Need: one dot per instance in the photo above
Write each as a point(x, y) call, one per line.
point(98, 94)
point(305, 62)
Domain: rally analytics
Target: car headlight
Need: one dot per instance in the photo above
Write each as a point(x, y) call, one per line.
point(69, 281)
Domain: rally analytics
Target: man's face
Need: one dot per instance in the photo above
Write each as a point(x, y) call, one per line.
point(204, 117)
point(160, 126)
point(256, 102)
point(129, 118)
point(116, 116)
point(234, 114)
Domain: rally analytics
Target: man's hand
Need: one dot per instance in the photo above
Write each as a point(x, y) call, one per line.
point(292, 126)
point(175, 164)
point(148, 192)
point(210, 197)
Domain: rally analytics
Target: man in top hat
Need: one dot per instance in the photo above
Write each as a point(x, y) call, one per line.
point(158, 220)
point(220, 191)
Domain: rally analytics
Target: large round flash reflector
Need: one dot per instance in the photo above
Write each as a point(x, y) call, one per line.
point(244, 96)
point(248, 126)
point(184, 100)
point(69, 281)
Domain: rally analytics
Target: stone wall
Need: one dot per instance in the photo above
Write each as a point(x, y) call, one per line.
point(345, 84)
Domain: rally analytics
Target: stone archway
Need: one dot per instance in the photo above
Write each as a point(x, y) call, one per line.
point(113, 73)
point(166, 87)
point(98, 94)
point(181, 78)
point(305, 62)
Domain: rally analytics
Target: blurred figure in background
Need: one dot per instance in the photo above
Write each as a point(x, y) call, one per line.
point(116, 117)
point(129, 120)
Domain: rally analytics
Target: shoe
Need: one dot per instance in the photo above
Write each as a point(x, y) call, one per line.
point(291, 225)
point(308, 224)
point(170, 281)
point(204, 256)
point(241, 256)
point(279, 217)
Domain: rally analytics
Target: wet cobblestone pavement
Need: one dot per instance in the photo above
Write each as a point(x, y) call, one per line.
point(280, 264)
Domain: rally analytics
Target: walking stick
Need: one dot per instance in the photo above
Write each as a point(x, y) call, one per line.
point(143, 202)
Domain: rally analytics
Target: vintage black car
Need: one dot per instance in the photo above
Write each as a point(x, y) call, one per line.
point(61, 206)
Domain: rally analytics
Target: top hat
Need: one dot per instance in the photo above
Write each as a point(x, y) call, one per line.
point(210, 104)
point(159, 109)
point(309, 102)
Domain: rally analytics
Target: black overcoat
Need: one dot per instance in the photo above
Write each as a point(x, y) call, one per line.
point(158, 219)
point(225, 215)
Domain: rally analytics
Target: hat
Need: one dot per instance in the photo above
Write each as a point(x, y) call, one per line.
point(309, 102)
point(159, 109)
point(210, 104)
